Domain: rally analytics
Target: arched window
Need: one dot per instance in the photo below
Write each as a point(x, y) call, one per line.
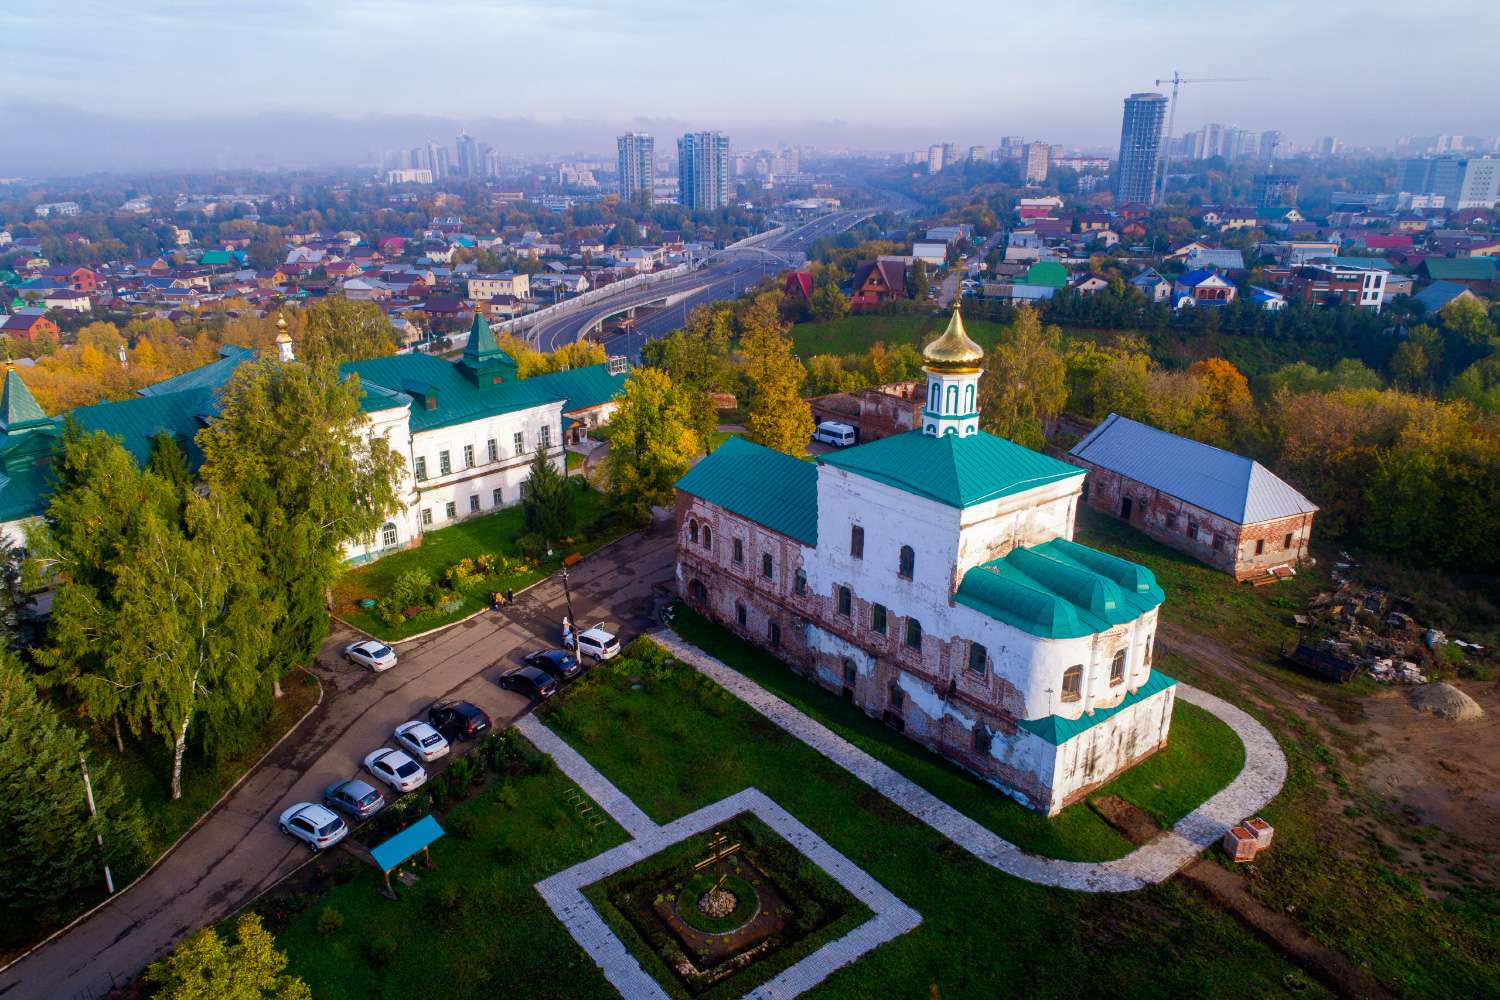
point(908, 565)
point(693, 531)
point(799, 583)
point(1117, 668)
point(950, 405)
point(934, 399)
point(846, 601)
point(697, 592)
point(1148, 649)
point(1072, 688)
point(708, 537)
point(969, 398)
point(913, 633)
point(767, 568)
point(388, 534)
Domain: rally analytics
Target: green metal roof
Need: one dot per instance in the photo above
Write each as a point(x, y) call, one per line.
point(136, 421)
point(953, 470)
point(19, 410)
point(775, 490)
point(1058, 730)
point(1048, 273)
point(211, 375)
point(1460, 268)
point(1060, 590)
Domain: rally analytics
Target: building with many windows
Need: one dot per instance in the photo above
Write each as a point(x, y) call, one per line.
point(637, 167)
point(468, 430)
point(930, 577)
point(703, 171)
point(1140, 145)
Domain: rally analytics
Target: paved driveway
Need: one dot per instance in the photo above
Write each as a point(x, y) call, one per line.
point(237, 853)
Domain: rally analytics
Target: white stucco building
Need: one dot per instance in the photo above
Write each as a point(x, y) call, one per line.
point(931, 578)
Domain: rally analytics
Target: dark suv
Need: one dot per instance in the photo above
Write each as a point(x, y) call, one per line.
point(558, 662)
point(458, 720)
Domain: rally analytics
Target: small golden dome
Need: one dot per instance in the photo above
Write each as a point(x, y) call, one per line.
point(953, 351)
point(281, 335)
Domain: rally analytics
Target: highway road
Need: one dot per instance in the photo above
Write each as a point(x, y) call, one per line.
point(725, 276)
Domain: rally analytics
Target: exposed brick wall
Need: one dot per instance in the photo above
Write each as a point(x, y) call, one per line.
point(1217, 541)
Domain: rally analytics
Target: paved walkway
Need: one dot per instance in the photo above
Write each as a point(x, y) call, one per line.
point(563, 892)
point(1256, 784)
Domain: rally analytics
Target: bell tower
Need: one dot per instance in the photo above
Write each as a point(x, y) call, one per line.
point(953, 367)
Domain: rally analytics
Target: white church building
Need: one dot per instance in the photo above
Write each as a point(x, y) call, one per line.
point(931, 578)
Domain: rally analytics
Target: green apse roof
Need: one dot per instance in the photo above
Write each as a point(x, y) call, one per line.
point(775, 490)
point(1060, 590)
point(1058, 730)
point(953, 470)
point(19, 410)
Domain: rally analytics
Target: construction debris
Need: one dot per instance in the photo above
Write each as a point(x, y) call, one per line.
point(1242, 843)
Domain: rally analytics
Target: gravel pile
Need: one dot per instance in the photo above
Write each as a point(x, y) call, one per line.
point(1446, 701)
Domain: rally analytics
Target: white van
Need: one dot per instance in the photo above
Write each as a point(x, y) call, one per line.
point(834, 433)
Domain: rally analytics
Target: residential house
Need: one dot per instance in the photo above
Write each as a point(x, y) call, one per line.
point(1475, 273)
point(1436, 296)
point(1220, 508)
point(1324, 283)
point(1223, 260)
point(933, 252)
point(798, 287)
point(1151, 284)
point(1266, 298)
point(1202, 287)
point(27, 326)
point(876, 282)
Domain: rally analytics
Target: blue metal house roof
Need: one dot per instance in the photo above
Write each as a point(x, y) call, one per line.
point(406, 843)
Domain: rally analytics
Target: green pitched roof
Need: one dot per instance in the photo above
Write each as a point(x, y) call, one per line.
point(212, 375)
point(19, 410)
point(1460, 268)
point(1060, 590)
point(482, 354)
point(1058, 730)
point(1048, 273)
point(777, 491)
point(136, 421)
point(953, 470)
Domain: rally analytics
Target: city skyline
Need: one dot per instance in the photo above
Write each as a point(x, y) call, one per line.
point(245, 64)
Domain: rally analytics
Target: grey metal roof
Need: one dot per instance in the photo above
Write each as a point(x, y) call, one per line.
point(1218, 481)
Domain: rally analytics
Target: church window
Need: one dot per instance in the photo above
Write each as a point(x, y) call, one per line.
point(850, 673)
point(773, 630)
point(983, 738)
point(877, 618)
point(468, 456)
point(897, 696)
point(969, 398)
point(977, 657)
point(426, 516)
point(445, 463)
point(1148, 649)
point(494, 450)
point(1286, 542)
point(1117, 668)
point(846, 601)
point(520, 442)
point(697, 591)
point(950, 404)
point(740, 615)
point(907, 567)
point(799, 582)
point(421, 468)
point(546, 436)
point(693, 531)
point(708, 537)
point(1072, 686)
point(451, 509)
point(496, 498)
point(767, 567)
point(388, 534)
point(739, 551)
point(913, 633)
point(1260, 546)
point(473, 503)
point(857, 542)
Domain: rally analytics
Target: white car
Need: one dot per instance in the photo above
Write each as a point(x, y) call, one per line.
point(371, 653)
point(598, 642)
point(422, 740)
point(316, 826)
point(396, 769)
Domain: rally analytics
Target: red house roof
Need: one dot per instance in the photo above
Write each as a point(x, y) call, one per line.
point(799, 283)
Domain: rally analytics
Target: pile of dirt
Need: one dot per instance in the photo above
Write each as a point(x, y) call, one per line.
point(1446, 701)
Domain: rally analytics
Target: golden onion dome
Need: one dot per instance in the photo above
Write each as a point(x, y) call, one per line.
point(953, 351)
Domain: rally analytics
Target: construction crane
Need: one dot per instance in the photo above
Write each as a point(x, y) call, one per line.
point(1177, 80)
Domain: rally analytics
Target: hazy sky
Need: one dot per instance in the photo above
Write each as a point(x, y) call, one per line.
point(886, 73)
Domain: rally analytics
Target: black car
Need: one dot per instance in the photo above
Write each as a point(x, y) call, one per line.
point(533, 682)
point(558, 662)
point(458, 720)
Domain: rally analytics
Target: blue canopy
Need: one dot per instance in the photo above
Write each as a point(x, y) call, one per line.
point(406, 843)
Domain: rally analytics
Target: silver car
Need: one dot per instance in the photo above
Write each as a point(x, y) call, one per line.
point(421, 740)
point(396, 769)
point(372, 654)
point(316, 826)
point(354, 796)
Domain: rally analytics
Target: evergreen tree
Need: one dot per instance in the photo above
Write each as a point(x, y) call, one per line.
point(48, 846)
point(548, 505)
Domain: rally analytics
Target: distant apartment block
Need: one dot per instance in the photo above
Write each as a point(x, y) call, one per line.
point(637, 167)
point(703, 171)
point(1274, 190)
point(411, 175)
point(57, 208)
point(1140, 146)
point(1038, 158)
point(1462, 182)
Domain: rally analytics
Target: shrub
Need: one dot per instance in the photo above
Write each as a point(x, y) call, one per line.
point(464, 826)
point(411, 589)
point(329, 920)
point(463, 574)
point(449, 895)
point(462, 773)
point(382, 948)
point(532, 545)
point(486, 563)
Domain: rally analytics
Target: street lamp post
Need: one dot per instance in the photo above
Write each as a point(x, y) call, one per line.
point(568, 596)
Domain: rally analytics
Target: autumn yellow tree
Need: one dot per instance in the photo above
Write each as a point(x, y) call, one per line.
point(779, 417)
point(652, 441)
point(1025, 382)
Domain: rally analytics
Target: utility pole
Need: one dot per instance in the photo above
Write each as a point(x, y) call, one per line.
point(88, 791)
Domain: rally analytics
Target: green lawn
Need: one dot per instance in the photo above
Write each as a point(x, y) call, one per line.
point(476, 928)
point(674, 742)
point(574, 460)
point(1202, 756)
point(495, 533)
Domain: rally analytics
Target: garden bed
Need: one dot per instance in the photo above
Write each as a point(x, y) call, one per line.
point(421, 588)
